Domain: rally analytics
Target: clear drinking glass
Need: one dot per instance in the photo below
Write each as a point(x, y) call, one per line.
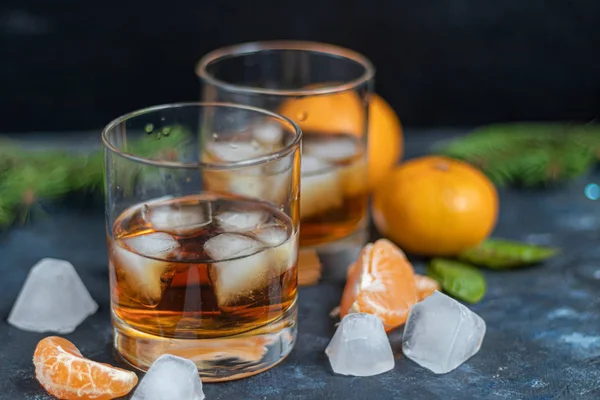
point(325, 89)
point(202, 224)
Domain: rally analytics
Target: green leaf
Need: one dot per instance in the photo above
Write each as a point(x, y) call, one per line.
point(458, 279)
point(506, 254)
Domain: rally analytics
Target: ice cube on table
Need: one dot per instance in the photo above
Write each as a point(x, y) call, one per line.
point(235, 277)
point(441, 333)
point(146, 277)
point(360, 347)
point(180, 220)
point(170, 378)
point(321, 187)
point(53, 299)
point(241, 221)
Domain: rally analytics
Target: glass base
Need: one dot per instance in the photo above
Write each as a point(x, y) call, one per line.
point(337, 256)
point(217, 359)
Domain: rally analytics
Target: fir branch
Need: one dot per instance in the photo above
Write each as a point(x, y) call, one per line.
point(529, 154)
point(29, 176)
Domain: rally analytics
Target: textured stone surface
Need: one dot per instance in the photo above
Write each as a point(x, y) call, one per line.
point(543, 323)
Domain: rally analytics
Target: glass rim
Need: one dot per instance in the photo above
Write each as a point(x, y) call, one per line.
point(227, 165)
point(247, 48)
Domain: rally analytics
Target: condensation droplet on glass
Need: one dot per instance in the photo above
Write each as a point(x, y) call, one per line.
point(255, 145)
point(149, 128)
point(145, 211)
point(302, 116)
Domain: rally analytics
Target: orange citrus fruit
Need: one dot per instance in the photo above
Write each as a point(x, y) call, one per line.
point(381, 282)
point(344, 113)
point(425, 286)
point(65, 374)
point(435, 206)
point(335, 113)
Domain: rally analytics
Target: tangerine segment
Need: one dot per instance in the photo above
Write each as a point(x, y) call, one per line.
point(65, 374)
point(381, 283)
point(425, 286)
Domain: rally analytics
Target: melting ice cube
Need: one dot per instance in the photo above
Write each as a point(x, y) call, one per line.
point(283, 252)
point(180, 220)
point(331, 148)
point(360, 347)
point(321, 187)
point(145, 275)
point(269, 134)
point(53, 299)
point(233, 279)
point(271, 236)
point(236, 151)
point(441, 334)
point(170, 378)
point(241, 221)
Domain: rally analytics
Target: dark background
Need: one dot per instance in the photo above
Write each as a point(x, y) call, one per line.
point(74, 65)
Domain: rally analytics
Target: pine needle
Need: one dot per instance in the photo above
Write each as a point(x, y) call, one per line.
point(529, 154)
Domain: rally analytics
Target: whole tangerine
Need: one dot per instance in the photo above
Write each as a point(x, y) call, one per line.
point(435, 206)
point(344, 113)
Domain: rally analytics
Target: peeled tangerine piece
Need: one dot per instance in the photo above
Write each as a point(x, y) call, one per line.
point(236, 278)
point(170, 378)
point(66, 374)
point(53, 299)
point(441, 333)
point(143, 275)
point(180, 220)
point(360, 347)
point(321, 187)
point(241, 221)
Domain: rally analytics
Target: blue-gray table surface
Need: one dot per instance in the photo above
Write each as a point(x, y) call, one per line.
point(543, 323)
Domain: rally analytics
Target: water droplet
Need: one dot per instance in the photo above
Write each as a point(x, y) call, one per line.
point(166, 131)
point(149, 128)
point(592, 191)
point(255, 145)
point(302, 116)
point(145, 211)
